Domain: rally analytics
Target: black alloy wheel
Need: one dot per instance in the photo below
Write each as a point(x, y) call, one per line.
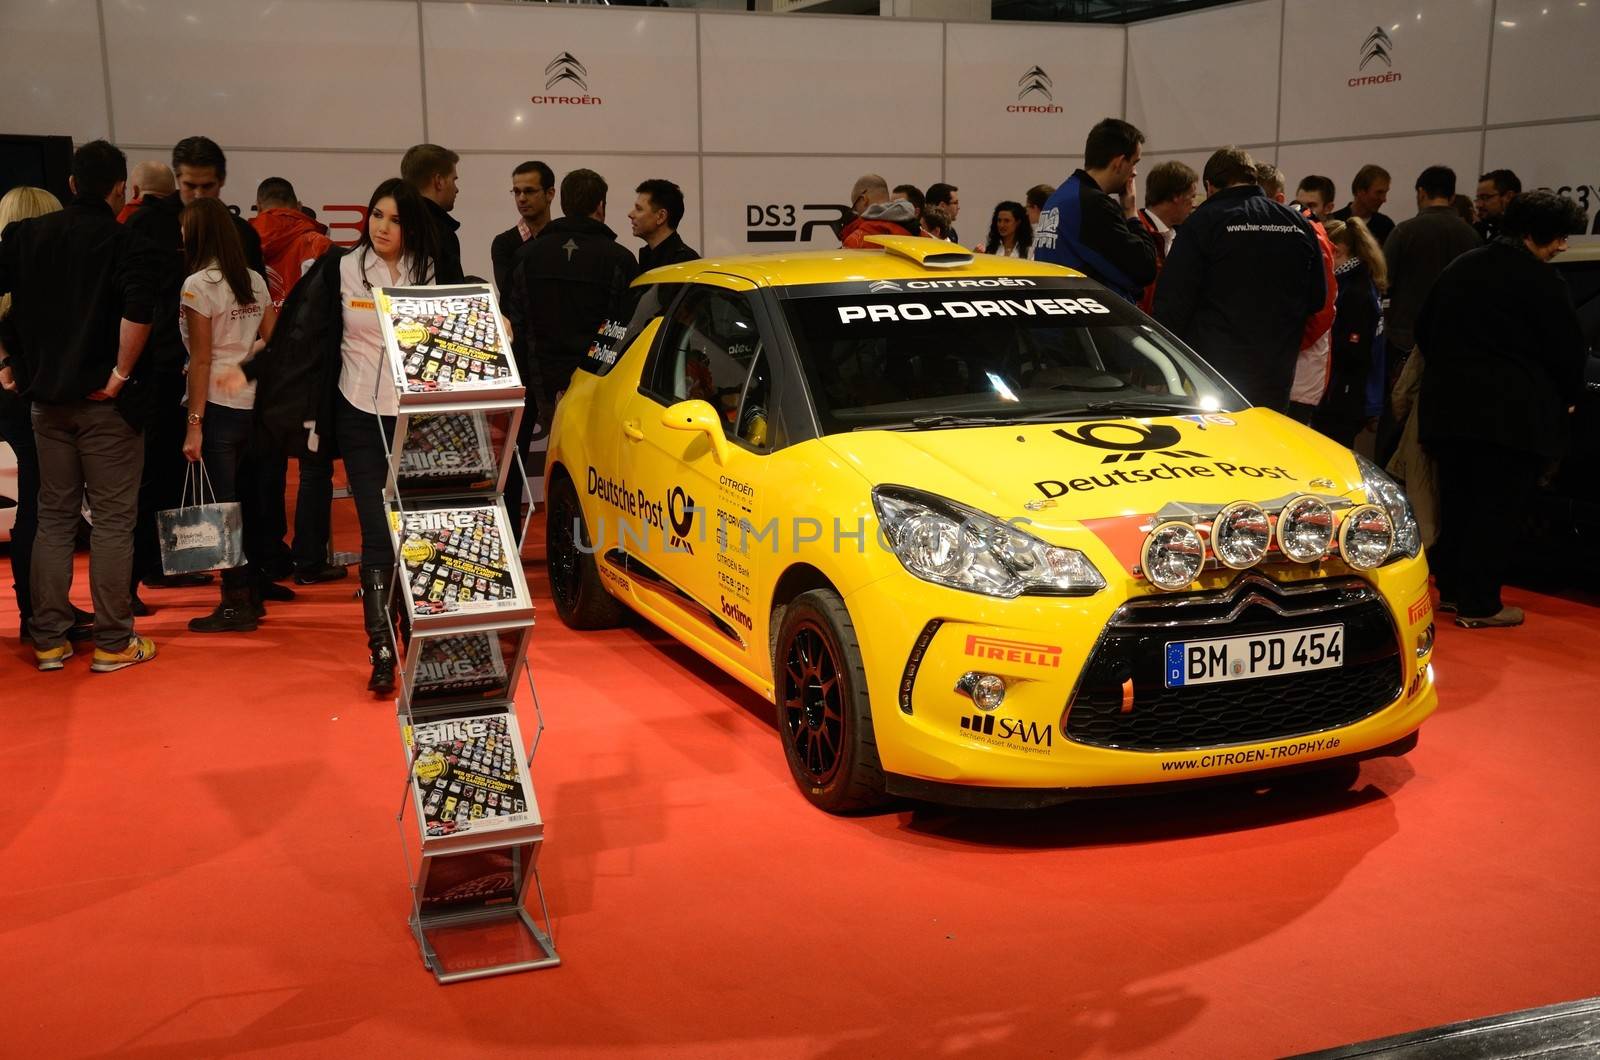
point(824, 717)
point(576, 588)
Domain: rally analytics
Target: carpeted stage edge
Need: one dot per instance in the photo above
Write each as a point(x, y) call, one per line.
point(200, 859)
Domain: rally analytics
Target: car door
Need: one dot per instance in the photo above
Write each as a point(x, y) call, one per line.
point(699, 499)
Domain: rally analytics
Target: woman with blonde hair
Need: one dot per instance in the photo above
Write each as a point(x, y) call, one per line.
point(1354, 393)
point(16, 428)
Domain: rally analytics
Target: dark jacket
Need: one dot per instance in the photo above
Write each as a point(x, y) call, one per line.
point(567, 282)
point(1417, 253)
point(449, 263)
point(1357, 326)
point(160, 220)
point(503, 254)
point(1083, 228)
point(297, 374)
point(1380, 225)
point(1505, 353)
point(1238, 287)
point(671, 251)
point(74, 276)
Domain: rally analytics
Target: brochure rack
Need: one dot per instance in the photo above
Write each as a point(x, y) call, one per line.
point(463, 620)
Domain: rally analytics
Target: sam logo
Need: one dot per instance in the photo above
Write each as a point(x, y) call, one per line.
point(1131, 441)
point(1035, 94)
point(787, 223)
point(1378, 48)
point(568, 79)
point(1022, 735)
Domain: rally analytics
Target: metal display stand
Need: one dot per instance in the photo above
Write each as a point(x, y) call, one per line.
point(463, 620)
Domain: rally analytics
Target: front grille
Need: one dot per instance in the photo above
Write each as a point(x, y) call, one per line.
point(1234, 712)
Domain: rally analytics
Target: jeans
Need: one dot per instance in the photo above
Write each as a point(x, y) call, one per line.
point(225, 447)
point(366, 465)
point(16, 427)
point(85, 446)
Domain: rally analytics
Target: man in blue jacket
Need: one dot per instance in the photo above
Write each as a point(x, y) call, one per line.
point(1091, 222)
point(1240, 283)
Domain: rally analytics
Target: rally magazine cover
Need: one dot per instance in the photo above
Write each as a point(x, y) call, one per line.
point(468, 775)
point(445, 340)
point(458, 560)
point(447, 450)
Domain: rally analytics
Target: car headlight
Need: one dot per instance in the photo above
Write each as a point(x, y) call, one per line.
point(1173, 556)
point(1240, 535)
point(947, 543)
point(1366, 537)
point(1385, 491)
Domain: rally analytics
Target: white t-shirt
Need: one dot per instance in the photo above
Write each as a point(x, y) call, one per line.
point(233, 327)
point(364, 372)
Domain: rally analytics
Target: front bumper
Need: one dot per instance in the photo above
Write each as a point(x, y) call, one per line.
point(1086, 706)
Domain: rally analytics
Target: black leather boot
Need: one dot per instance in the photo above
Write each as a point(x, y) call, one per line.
point(233, 615)
point(375, 588)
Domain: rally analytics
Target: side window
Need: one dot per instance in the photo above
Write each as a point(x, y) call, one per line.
point(615, 336)
point(706, 352)
point(757, 422)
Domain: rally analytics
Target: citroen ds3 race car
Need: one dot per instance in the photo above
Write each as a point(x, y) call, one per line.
point(981, 531)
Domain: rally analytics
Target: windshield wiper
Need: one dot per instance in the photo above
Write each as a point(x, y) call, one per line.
point(933, 423)
point(1147, 408)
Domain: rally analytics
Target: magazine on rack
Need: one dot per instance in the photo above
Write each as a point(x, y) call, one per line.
point(445, 339)
point(468, 775)
point(447, 448)
point(460, 665)
point(458, 560)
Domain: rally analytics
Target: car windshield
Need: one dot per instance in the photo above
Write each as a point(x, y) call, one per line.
point(926, 354)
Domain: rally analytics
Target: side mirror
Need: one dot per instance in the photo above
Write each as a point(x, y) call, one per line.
point(698, 415)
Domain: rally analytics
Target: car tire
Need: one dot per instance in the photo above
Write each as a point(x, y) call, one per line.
point(824, 715)
point(576, 589)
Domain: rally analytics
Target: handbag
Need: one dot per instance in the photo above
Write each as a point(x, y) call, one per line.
point(201, 536)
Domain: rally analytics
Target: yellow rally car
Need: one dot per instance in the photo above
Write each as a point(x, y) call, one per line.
point(981, 531)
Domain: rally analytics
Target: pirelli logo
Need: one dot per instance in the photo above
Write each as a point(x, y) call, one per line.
point(1027, 653)
point(1421, 608)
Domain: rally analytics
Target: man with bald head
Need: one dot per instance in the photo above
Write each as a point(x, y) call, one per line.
point(877, 214)
point(153, 179)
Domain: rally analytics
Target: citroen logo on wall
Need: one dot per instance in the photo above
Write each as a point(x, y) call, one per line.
point(1035, 81)
point(567, 74)
point(565, 69)
point(1377, 47)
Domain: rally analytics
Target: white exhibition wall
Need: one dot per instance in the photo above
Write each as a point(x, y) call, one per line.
point(766, 120)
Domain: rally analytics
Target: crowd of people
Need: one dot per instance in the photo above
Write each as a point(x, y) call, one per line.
point(146, 327)
point(148, 332)
point(1323, 313)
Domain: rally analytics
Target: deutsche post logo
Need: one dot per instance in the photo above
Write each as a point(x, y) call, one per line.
point(1129, 441)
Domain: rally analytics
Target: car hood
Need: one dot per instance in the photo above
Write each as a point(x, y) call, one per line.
point(1088, 471)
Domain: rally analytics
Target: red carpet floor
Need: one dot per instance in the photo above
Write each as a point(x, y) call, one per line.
point(200, 859)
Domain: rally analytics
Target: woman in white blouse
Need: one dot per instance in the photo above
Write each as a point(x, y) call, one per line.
point(1010, 234)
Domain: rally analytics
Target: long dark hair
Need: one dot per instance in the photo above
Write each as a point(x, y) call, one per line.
point(419, 233)
point(210, 240)
point(1024, 236)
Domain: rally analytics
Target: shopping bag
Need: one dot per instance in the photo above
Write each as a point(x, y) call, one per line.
point(202, 535)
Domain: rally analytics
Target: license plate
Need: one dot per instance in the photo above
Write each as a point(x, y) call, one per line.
point(1204, 662)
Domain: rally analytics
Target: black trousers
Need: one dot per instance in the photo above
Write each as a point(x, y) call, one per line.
point(1484, 494)
point(161, 483)
point(537, 413)
point(366, 465)
point(16, 428)
point(313, 511)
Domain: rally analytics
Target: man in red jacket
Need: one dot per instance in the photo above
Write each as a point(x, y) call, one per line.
point(290, 241)
point(877, 215)
point(1315, 366)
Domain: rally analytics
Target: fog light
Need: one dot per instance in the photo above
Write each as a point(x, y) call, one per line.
point(987, 691)
point(1305, 529)
point(1366, 536)
point(1425, 642)
point(1173, 556)
point(1240, 535)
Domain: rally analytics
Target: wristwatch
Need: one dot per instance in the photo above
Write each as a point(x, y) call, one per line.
point(194, 419)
